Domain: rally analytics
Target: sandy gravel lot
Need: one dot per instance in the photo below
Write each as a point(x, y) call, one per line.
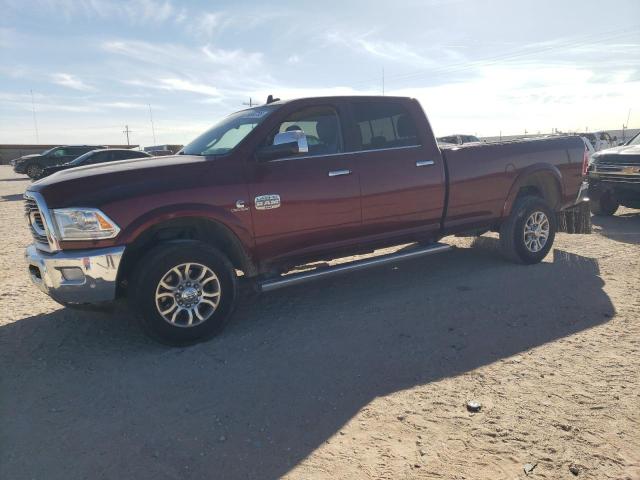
point(361, 376)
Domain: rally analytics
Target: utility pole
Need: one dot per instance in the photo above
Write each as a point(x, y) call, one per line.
point(126, 131)
point(383, 81)
point(625, 126)
point(251, 103)
point(153, 129)
point(35, 121)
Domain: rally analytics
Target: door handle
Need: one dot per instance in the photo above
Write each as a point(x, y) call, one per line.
point(337, 173)
point(424, 163)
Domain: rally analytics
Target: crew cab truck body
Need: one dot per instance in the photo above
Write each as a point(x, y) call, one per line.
point(276, 186)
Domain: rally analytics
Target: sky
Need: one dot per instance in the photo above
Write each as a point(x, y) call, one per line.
point(90, 67)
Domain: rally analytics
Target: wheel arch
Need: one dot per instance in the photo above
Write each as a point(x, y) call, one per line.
point(544, 181)
point(189, 227)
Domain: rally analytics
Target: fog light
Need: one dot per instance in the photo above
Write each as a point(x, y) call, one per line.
point(72, 274)
point(35, 272)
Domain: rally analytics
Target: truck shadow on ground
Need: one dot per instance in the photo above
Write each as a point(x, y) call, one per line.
point(622, 227)
point(11, 198)
point(90, 397)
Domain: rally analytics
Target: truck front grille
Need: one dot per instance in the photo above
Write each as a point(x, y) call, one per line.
point(618, 178)
point(35, 221)
point(616, 172)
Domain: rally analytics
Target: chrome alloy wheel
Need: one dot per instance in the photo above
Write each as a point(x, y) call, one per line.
point(536, 231)
point(188, 294)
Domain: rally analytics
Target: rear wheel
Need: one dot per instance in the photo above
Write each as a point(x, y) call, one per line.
point(185, 292)
point(34, 171)
point(604, 204)
point(529, 232)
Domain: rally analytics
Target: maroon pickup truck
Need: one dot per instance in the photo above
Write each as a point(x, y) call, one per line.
point(277, 186)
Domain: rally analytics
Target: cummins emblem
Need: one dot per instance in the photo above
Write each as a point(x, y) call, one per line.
point(267, 202)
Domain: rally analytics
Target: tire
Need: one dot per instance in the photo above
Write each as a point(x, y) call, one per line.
point(34, 171)
point(192, 316)
point(528, 213)
point(604, 204)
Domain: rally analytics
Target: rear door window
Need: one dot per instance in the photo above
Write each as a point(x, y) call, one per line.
point(384, 125)
point(98, 157)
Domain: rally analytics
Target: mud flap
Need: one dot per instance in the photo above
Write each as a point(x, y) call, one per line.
point(575, 219)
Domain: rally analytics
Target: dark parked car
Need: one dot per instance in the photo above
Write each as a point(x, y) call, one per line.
point(96, 156)
point(33, 165)
point(614, 178)
point(459, 139)
point(280, 185)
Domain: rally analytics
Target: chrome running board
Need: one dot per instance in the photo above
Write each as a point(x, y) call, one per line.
point(295, 278)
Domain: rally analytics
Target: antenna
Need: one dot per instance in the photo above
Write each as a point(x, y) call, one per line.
point(35, 121)
point(126, 131)
point(153, 129)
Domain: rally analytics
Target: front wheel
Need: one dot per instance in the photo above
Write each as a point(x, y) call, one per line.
point(34, 171)
point(528, 234)
point(604, 204)
point(185, 292)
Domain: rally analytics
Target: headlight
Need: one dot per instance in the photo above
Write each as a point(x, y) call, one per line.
point(84, 224)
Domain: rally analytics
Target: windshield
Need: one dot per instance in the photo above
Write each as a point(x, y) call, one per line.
point(227, 134)
point(635, 140)
point(46, 152)
point(81, 158)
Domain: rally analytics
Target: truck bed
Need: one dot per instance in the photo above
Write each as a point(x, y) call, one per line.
point(483, 176)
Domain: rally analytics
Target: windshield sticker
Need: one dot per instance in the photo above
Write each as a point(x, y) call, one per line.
point(255, 114)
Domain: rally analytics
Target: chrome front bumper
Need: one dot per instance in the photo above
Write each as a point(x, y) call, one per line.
point(78, 276)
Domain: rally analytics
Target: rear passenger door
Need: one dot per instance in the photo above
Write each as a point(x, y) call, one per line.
point(400, 169)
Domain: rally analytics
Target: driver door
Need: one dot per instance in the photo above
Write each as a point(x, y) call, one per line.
point(306, 202)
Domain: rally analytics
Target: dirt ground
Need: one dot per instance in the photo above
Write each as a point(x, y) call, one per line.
point(361, 376)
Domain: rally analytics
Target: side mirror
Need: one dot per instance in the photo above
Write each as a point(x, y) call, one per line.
point(284, 144)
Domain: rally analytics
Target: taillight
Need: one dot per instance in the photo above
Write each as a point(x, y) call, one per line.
point(585, 162)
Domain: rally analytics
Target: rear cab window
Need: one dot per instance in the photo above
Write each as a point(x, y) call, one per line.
point(382, 125)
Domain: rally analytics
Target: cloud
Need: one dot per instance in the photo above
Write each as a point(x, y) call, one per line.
point(237, 58)
point(173, 84)
point(170, 54)
point(70, 81)
point(182, 85)
point(134, 12)
point(206, 24)
point(385, 50)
